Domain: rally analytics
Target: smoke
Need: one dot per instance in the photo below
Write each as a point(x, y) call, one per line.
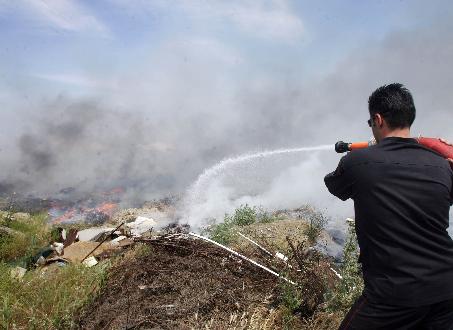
point(296, 179)
point(193, 100)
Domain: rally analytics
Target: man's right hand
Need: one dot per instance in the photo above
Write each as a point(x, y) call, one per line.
point(450, 144)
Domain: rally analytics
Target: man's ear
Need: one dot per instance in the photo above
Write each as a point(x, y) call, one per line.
point(379, 120)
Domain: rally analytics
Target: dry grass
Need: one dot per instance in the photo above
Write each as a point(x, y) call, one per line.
point(272, 235)
point(47, 299)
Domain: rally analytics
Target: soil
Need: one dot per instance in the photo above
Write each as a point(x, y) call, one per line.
point(183, 283)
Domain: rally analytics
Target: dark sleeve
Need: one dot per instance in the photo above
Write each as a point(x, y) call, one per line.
point(451, 192)
point(340, 182)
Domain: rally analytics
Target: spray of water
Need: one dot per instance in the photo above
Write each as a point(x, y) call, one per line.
point(195, 193)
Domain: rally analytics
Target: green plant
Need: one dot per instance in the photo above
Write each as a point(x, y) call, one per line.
point(6, 313)
point(263, 216)
point(222, 232)
point(243, 216)
point(350, 286)
point(31, 236)
point(317, 220)
point(291, 296)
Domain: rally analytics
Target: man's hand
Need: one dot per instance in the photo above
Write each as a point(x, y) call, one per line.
point(450, 144)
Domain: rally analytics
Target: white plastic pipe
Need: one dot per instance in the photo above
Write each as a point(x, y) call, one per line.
point(241, 256)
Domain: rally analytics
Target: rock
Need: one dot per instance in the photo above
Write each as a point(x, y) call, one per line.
point(18, 272)
point(90, 262)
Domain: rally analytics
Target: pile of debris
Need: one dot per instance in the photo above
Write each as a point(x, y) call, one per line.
point(187, 281)
point(88, 246)
point(184, 281)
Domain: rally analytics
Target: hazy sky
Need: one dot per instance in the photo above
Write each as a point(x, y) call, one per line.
point(149, 93)
point(87, 46)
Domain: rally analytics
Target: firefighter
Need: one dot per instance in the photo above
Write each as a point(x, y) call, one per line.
point(402, 193)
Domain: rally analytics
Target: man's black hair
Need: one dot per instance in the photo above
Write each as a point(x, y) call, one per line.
point(395, 103)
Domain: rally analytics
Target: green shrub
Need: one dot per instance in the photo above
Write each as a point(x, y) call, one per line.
point(263, 216)
point(222, 233)
point(245, 215)
point(317, 221)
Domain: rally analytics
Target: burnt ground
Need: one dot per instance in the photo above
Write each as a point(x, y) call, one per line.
point(183, 283)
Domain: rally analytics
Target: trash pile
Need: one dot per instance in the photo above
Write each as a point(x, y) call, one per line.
point(88, 246)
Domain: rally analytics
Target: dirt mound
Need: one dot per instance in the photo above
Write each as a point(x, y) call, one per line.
point(183, 283)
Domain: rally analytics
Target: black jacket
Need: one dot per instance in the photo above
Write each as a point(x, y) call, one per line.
point(402, 194)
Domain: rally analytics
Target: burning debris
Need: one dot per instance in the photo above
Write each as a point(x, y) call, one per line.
point(95, 210)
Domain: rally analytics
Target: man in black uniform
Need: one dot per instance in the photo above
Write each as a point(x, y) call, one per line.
point(402, 194)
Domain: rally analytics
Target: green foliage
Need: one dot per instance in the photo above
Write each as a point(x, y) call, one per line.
point(291, 296)
point(222, 232)
point(244, 215)
point(263, 216)
point(47, 300)
point(350, 287)
point(317, 221)
point(32, 235)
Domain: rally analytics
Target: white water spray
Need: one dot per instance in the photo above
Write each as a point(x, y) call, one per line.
point(196, 191)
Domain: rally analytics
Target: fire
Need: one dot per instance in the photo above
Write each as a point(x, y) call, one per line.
point(96, 208)
point(107, 208)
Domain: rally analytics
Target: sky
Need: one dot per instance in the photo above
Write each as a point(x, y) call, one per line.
point(148, 94)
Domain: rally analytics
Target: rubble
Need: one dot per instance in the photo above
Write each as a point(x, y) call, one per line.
point(92, 234)
point(141, 225)
point(90, 262)
point(78, 251)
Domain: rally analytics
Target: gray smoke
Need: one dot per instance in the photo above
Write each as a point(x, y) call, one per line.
point(189, 105)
